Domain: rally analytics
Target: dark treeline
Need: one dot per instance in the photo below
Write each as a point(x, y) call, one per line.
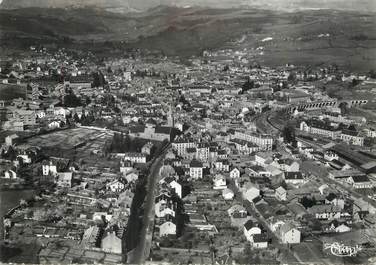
point(132, 235)
point(121, 143)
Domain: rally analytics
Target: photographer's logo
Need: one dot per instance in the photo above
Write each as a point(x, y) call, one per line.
point(341, 250)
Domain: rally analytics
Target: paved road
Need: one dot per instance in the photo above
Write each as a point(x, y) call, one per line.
point(142, 251)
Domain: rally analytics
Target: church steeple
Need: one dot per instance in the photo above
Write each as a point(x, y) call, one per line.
point(170, 117)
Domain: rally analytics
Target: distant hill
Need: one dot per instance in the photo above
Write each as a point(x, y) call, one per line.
point(287, 5)
point(11, 4)
point(301, 37)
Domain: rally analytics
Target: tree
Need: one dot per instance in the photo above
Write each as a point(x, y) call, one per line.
point(291, 77)
point(10, 154)
point(83, 119)
point(355, 82)
point(7, 68)
point(71, 100)
point(247, 85)
point(99, 80)
point(343, 106)
point(308, 202)
point(372, 74)
point(288, 134)
point(247, 252)
point(76, 118)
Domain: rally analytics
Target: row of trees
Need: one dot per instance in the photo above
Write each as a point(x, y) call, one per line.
point(288, 134)
point(132, 235)
point(121, 143)
point(84, 120)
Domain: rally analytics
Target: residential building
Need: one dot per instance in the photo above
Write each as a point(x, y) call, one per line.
point(281, 194)
point(289, 234)
point(167, 228)
point(196, 169)
point(352, 137)
point(111, 243)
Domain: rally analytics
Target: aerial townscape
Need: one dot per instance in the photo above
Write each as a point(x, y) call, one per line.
point(134, 155)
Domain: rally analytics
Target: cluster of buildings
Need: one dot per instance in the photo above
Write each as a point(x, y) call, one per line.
point(229, 180)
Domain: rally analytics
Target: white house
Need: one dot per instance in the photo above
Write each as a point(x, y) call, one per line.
point(222, 165)
point(133, 157)
point(338, 227)
point(26, 159)
point(352, 137)
point(360, 182)
point(237, 211)
point(167, 228)
point(115, 186)
point(196, 169)
point(227, 194)
point(250, 191)
point(330, 156)
point(11, 139)
point(111, 243)
point(54, 124)
point(219, 182)
point(40, 114)
point(146, 149)
point(275, 223)
point(262, 158)
point(288, 165)
point(294, 178)
point(48, 168)
point(126, 166)
point(325, 211)
point(260, 241)
point(163, 208)
point(176, 187)
point(333, 199)
point(131, 177)
point(99, 216)
point(10, 174)
point(251, 228)
point(235, 173)
point(273, 170)
point(289, 234)
point(64, 179)
point(281, 194)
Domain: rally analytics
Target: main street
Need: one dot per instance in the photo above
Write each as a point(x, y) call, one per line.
point(142, 251)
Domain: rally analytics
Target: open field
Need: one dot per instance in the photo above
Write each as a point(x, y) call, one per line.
point(65, 139)
point(78, 144)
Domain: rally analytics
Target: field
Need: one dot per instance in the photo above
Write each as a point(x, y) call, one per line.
point(71, 143)
point(65, 139)
point(10, 91)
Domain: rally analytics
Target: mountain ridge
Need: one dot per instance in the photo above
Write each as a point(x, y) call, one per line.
point(142, 5)
point(349, 37)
